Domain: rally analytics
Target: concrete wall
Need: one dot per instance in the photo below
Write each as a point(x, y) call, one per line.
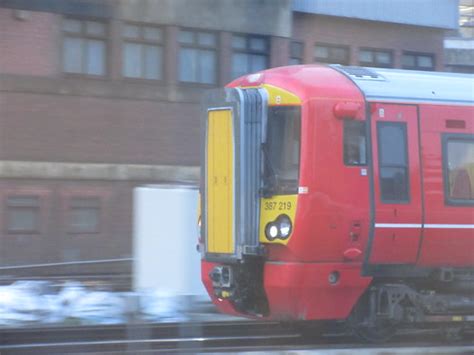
point(269, 17)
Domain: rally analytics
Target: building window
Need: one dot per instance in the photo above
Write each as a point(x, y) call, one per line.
point(142, 52)
point(250, 54)
point(331, 54)
point(418, 61)
point(296, 53)
point(23, 214)
point(84, 47)
point(354, 143)
point(376, 58)
point(458, 158)
point(197, 57)
point(84, 215)
point(393, 161)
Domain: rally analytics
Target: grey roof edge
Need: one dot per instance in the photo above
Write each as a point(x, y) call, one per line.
point(398, 85)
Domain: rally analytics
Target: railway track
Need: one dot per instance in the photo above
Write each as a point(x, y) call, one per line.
point(200, 337)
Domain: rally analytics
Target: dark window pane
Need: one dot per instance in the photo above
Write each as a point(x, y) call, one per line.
point(240, 62)
point(153, 62)
point(321, 52)
point(384, 58)
point(84, 220)
point(22, 219)
point(95, 28)
point(152, 34)
point(296, 49)
point(425, 61)
point(393, 161)
point(95, 57)
point(207, 67)
point(186, 37)
point(239, 42)
point(283, 148)
point(258, 44)
point(339, 54)
point(206, 39)
point(131, 31)
point(257, 62)
point(460, 169)
point(132, 60)
point(354, 143)
point(188, 64)
point(392, 148)
point(73, 26)
point(72, 55)
point(23, 214)
point(83, 53)
point(366, 56)
point(408, 60)
point(394, 184)
point(331, 54)
point(295, 61)
point(418, 61)
point(84, 215)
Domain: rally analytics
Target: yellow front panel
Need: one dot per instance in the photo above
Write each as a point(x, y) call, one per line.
point(220, 184)
point(271, 208)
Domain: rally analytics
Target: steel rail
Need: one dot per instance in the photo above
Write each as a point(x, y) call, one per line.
point(194, 337)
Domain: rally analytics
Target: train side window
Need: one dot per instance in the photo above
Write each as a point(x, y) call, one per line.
point(354, 143)
point(393, 161)
point(458, 166)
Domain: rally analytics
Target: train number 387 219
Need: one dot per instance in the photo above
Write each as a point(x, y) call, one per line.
point(279, 206)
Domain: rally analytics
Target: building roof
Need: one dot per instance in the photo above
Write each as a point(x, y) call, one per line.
point(442, 14)
point(398, 85)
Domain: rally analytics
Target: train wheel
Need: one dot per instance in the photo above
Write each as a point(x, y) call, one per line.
point(367, 327)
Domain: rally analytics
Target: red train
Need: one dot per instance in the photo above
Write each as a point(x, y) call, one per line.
point(333, 192)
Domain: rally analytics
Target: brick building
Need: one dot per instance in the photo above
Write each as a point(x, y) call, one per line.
point(98, 97)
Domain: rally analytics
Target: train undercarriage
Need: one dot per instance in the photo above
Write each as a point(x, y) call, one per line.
point(445, 299)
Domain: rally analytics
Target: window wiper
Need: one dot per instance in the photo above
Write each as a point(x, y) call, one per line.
point(269, 174)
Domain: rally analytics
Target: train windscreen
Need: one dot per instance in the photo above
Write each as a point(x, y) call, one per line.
point(283, 149)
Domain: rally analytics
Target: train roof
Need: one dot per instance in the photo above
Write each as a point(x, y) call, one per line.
point(397, 85)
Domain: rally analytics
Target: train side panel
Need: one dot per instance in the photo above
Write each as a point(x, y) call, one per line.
point(448, 236)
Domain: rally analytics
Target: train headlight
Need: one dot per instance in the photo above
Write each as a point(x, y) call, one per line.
point(280, 228)
point(284, 226)
point(271, 231)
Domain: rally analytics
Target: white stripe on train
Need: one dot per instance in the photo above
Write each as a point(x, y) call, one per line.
point(431, 226)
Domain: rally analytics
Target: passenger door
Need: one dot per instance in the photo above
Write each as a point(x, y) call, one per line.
point(396, 185)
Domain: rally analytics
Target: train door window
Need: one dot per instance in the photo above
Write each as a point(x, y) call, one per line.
point(23, 214)
point(458, 161)
point(84, 215)
point(393, 161)
point(354, 143)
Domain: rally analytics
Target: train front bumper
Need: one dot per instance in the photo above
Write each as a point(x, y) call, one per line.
point(299, 291)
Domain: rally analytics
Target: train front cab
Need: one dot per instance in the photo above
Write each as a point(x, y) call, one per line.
point(273, 247)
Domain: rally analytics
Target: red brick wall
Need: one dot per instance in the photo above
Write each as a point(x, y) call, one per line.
point(53, 242)
point(28, 46)
point(311, 29)
point(98, 130)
